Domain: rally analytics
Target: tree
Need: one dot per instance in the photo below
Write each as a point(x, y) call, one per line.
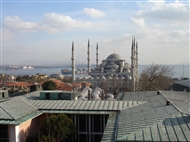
point(49, 85)
point(105, 86)
point(57, 128)
point(156, 76)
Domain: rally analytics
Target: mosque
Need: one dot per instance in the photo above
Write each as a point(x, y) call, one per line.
point(114, 73)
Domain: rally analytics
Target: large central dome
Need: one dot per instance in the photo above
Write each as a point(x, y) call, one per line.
point(113, 57)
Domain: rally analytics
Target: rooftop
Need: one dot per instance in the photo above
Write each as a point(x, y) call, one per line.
point(133, 116)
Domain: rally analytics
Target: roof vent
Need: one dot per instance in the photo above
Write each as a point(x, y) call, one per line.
point(89, 96)
point(158, 92)
point(167, 102)
point(102, 97)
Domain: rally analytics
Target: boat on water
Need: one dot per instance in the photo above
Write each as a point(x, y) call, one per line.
point(78, 71)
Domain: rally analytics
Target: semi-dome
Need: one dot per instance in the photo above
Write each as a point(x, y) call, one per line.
point(112, 65)
point(113, 57)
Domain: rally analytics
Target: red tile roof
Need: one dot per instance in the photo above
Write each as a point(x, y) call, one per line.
point(17, 84)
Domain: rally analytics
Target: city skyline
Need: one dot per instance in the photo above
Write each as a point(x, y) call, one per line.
point(44, 30)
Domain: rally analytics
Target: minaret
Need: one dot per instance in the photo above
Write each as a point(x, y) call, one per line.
point(97, 55)
point(73, 63)
point(133, 64)
point(88, 59)
point(137, 56)
point(137, 72)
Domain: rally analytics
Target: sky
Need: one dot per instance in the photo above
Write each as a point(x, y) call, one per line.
point(42, 31)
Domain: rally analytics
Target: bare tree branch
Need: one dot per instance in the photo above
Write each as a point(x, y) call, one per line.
point(153, 74)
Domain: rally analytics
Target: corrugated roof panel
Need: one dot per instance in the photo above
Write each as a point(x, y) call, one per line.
point(169, 130)
point(82, 105)
point(45, 104)
point(55, 105)
point(120, 103)
point(74, 104)
point(147, 134)
point(17, 107)
point(92, 103)
point(34, 102)
point(110, 106)
point(125, 104)
point(130, 137)
point(184, 126)
point(177, 129)
point(96, 105)
point(106, 103)
point(4, 114)
point(139, 136)
point(155, 133)
point(64, 104)
point(69, 105)
point(130, 104)
point(77, 107)
point(51, 104)
point(87, 104)
point(115, 105)
point(101, 105)
point(109, 132)
point(162, 132)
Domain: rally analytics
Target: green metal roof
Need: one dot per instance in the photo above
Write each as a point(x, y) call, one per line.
point(111, 128)
point(84, 105)
point(76, 112)
point(154, 120)
point(142, 116)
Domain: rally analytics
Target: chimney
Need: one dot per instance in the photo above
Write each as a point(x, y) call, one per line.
point(158, 92)
point(89, 96)
point(167, 102)
point(102, 97)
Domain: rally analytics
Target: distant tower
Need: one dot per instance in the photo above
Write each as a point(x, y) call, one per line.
point(137, 76)
point(88, 59)
point(133, 64)
point(73, 63)
point(97, 55)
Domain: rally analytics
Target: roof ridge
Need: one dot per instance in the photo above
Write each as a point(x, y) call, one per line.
point(6, 112)
point(24, 99)
point(174, 105)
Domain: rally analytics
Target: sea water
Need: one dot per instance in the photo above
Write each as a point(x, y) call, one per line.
point(179, 71)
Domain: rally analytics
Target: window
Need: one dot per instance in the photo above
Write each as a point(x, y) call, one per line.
point(97, 123)
point(47, 96)
point(4, 137)
point(82, 123)
point(3, 95)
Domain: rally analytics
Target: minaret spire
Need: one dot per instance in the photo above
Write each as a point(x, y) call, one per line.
point(97, 55)
point(137, 72)
point(73, 63)
point(88, 59)
point(133, 64)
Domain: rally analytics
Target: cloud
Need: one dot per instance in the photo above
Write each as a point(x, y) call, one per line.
point(17, 24)
point(165, 11)
point(95, 13)
point(138, 21)
point(55, 22)
point(7, 35)
point(51, 22)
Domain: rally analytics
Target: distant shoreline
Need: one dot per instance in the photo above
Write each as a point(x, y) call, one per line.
point(178, 71)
